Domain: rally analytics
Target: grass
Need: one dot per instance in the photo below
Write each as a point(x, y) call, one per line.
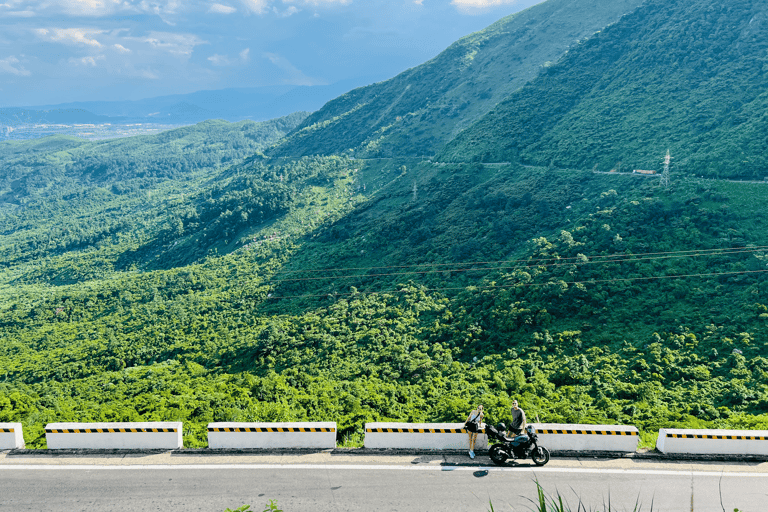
point(545, 502)
point(269, 507)
point(648, 439)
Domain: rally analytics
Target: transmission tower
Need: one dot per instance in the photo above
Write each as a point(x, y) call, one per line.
point(665, 173)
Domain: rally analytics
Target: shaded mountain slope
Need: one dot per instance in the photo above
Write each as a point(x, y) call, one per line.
point(416, 112)
point(686, 76)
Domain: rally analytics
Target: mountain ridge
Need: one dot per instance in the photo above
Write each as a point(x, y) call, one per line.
point(416, 112)
point(635, 90)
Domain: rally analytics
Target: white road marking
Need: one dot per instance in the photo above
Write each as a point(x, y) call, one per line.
point(94, 467)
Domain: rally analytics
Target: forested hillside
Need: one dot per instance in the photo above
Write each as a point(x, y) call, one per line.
point(418, 111)
point(195, 276)
point(62, 196)
point(686, 76)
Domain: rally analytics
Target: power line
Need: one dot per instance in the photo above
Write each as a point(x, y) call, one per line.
point(492, 287)
point(529, 264)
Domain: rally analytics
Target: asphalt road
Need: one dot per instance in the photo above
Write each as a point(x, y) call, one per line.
point(327, 482)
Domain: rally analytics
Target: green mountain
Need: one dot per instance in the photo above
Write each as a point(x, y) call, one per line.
point(419, 110)
point(195, 276)
point(684, 76)
point(60, 195)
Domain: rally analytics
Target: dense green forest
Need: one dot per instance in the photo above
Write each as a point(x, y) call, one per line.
point(198, 276)
point(684, 76)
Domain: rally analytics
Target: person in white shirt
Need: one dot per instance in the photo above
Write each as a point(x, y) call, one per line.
point(474, 424)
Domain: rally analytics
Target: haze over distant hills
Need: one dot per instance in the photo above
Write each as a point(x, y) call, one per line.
point(164, 112)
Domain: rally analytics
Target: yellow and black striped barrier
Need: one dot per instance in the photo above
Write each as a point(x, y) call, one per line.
point(408, 430)
point(575, 437)
point(422, 436)
point(108, 430)
point(271, 429)
point(115, 435)
point(713, 442)
point(713, 436)
point(11, 436)
point(589, 432)
point(272, 435)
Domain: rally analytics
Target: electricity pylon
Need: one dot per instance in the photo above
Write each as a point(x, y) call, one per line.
point(665, 173)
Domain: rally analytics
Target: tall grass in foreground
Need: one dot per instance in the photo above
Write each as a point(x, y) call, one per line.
point(547, 503)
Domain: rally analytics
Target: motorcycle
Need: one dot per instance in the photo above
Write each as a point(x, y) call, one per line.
point(519, 447)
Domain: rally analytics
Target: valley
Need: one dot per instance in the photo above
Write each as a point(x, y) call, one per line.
point(396, 257)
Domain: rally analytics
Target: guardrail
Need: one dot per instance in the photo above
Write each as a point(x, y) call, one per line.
point(426, 436)
point(720, 442)
point(272, 435)
point(167, 435)
point(11, 436)
point(430, 436)
point(609, 438)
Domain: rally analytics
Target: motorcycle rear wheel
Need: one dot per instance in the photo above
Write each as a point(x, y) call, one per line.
point(540, 456)
point(497, 455)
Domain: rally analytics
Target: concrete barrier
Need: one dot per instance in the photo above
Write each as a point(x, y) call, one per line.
point(272, 435)
point(720, 442)
point(166, 435)
point(429, 436)
point(11, 436)
point(609, 438)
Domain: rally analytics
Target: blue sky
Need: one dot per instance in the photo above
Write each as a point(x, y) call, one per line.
point(56, 51)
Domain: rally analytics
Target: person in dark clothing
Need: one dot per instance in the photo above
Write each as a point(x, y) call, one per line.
point(518, 420)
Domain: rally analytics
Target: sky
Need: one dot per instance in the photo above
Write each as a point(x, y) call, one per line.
point(58, 51)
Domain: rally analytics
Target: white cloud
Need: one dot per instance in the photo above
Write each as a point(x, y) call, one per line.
point(76, 36)
point(222, 9)
point(219, 60)
point(100, 8)
point(470, 6)
point(223, 60)
point(90, 7)
point(10, 65)
point(121, 48)
point(288, 12)
point(19, 14)
point(262, 6)
point(147, 73)
point(256, 6)
point(318, 2)
point(87, 61)
point(176, 44)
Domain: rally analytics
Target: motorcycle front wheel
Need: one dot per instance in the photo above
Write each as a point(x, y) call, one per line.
point(540, 456)
point(497, 455)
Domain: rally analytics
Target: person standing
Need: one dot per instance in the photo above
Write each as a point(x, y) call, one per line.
point(474, 424)
point(518, 419)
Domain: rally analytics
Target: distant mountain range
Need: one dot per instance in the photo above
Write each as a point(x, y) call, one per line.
point(237, 104)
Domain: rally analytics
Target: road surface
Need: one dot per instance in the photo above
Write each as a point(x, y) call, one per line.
point(330, 481)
